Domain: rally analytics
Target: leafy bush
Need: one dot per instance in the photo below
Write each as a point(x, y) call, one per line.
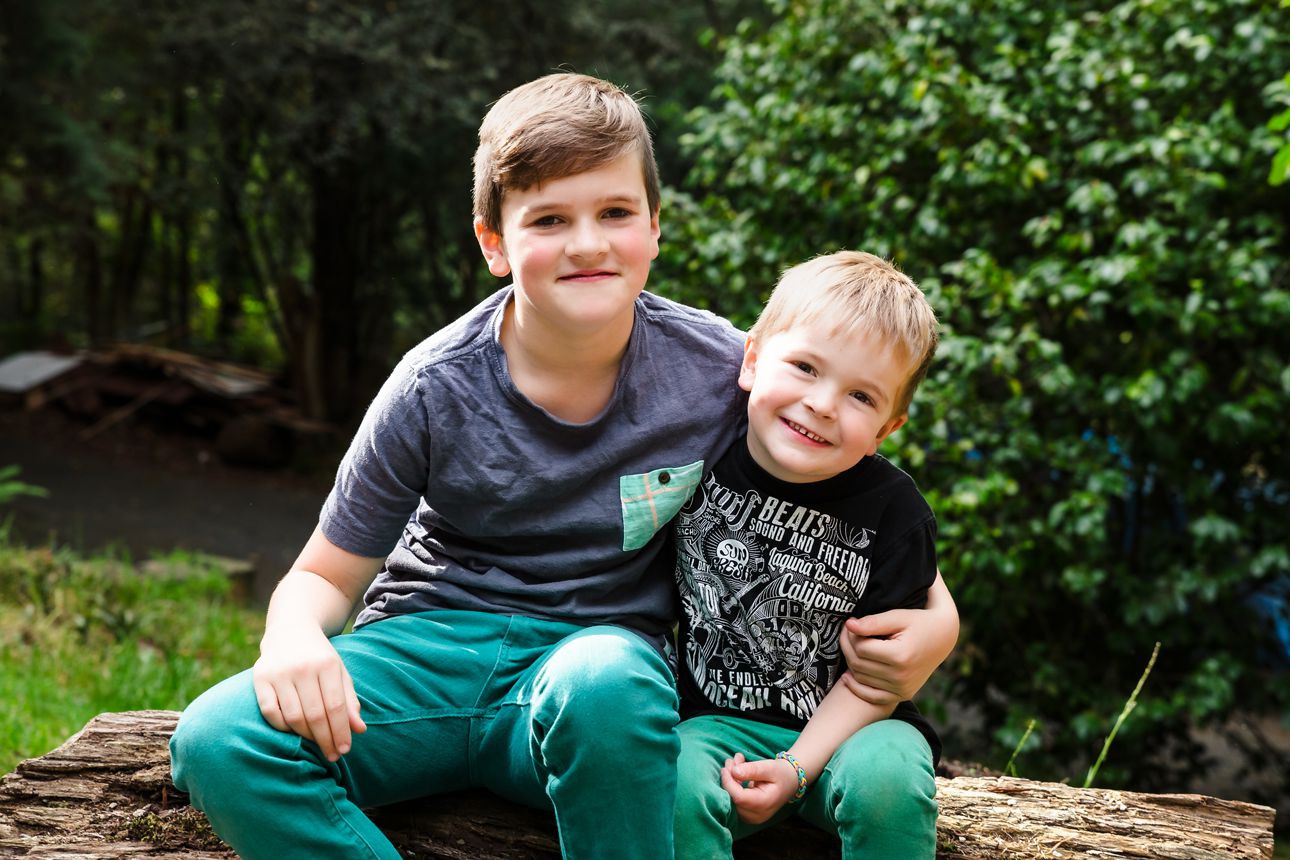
point(1081, 188)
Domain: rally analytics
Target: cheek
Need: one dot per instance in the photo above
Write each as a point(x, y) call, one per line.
point(639, 246)
point(767, 397)
point(532, 256)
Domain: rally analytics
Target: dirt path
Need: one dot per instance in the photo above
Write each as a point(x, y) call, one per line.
point(139, 488)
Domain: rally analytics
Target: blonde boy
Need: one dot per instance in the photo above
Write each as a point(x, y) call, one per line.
point(498, 514)
point(798, 529)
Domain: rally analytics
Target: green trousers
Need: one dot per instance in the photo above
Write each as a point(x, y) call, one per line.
point(544, 713)
point(878, 792)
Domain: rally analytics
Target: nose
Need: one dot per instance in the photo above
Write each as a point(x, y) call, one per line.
point(587, 239)
point(820, 401)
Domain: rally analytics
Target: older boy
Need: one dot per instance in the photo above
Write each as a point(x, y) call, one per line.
point(499, 508)
point(800, 527)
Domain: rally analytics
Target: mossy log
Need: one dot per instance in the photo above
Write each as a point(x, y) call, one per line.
point(106, 793)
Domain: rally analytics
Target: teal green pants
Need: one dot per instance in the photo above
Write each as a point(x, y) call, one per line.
point(544, 713)
point(878, 792)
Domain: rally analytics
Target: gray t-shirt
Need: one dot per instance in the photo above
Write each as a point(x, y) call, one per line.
point(481, 500)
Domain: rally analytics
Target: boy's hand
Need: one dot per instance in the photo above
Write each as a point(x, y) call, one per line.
point(892, 654)
point(302, 686)
point(771, 782)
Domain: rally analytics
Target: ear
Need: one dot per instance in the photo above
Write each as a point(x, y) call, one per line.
point(748, 370)
point(654, 233)
point(493, 248)
point(886, 430)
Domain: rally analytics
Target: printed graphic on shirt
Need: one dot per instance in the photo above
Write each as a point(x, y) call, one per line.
point(649, 500)
point(765, 587)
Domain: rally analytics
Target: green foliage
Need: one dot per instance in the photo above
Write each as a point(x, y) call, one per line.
point(11, 488)
point(82, 636)
point(307, 163)
point(1281, 123)
point(1080, 188)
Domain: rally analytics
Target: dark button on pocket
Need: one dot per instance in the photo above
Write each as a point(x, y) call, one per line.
point(664, 477)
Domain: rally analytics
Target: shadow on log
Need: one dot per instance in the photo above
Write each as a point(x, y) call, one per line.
point(106, 793)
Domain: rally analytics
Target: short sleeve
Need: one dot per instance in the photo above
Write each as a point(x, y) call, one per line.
point(383, 475)
point(906, 570)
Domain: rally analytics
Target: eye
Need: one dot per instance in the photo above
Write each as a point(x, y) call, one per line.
point(546, 221)
point(862, 397)
point(618, 212)
point(804, 367)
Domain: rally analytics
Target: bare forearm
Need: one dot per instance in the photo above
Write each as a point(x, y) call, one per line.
point(945, 630)
point(321, 589)
point(303, 598)
point(839, 716)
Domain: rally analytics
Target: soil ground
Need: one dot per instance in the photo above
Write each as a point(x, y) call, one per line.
point(142, 489)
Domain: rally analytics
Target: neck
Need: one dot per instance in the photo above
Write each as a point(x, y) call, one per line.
point(571, 377)
point(549, 349)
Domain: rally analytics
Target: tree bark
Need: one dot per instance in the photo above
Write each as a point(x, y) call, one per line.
point(106, 793)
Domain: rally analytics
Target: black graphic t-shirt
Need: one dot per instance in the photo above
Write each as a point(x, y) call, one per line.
point(768, 572)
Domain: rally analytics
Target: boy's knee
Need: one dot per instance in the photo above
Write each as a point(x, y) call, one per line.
point(601, 698)
point(214, 732)
point(699, 793)
point(886, 776)
point(609, 677)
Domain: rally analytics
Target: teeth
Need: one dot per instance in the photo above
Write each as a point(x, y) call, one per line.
point(807, 433)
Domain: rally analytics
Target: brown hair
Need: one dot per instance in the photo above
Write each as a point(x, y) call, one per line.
point(854, 291)
point(554, 127)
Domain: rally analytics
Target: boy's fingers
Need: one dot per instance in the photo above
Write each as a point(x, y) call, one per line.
point(733, 787)
point(292, 712)
point(267, 699)
point(755, 771)
point(882, 624)
point(315, 717)
point(356, 723)
point(335, 704)
point(870, 693)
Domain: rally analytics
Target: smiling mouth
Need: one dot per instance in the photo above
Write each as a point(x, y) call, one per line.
point(798, 428)
point(591, 275)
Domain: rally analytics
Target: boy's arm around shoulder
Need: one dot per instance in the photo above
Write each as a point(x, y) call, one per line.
point(301, 685)
point(891, 654)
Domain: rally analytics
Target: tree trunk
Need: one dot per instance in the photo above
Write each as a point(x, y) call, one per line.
point(334, 255)
point(35, 279)
point(106, 793)
point(90, 274)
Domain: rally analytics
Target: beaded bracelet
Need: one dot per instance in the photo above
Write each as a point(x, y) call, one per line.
point(801, 775)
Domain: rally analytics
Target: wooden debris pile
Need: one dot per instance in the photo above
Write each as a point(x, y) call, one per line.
point(249, 415)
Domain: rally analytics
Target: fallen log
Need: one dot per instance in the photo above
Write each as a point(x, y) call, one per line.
point(106, 794)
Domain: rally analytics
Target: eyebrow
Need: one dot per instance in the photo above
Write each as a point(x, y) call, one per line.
point(545, 205)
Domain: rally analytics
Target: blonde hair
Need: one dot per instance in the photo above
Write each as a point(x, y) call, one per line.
point(554, 127)
point(855, 291)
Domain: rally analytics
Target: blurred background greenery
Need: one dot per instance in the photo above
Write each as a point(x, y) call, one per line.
point(1090, 193)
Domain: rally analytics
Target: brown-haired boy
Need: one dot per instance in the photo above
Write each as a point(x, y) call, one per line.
point(498, 512)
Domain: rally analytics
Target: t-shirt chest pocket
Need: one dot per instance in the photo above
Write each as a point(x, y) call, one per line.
point(650, 499)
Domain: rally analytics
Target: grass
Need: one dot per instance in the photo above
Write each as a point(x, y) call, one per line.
point(81, 636)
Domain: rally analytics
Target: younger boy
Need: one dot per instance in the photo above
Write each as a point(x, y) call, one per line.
point(798, 528)
point(498, 512)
